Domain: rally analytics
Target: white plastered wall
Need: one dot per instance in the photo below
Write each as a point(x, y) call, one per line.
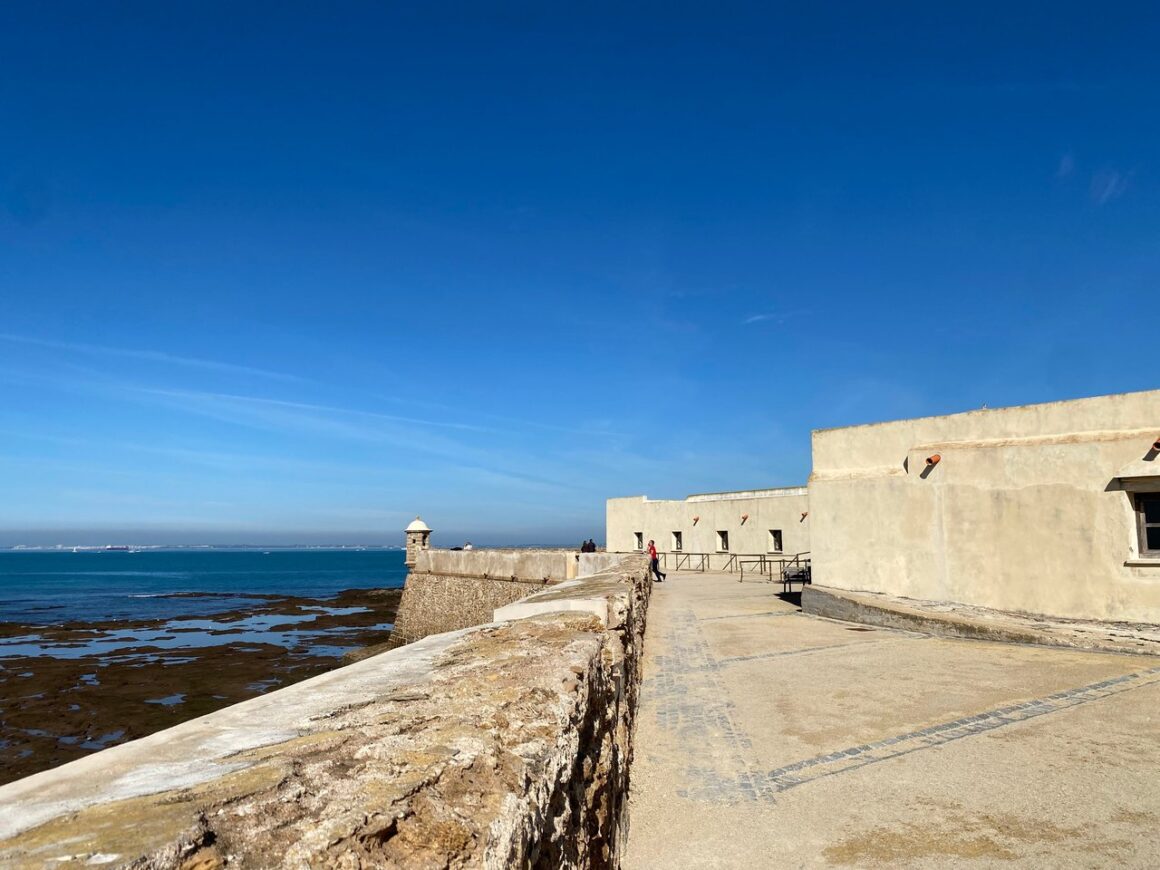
point(699, 519)
point(1028, 508)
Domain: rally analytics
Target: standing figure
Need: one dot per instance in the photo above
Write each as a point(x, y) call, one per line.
point(654, 562)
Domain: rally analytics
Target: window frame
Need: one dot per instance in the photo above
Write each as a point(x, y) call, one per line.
point(776, 537)
point(1142, 526)
point(722, 540)
point(638, 538)
point(678, 542)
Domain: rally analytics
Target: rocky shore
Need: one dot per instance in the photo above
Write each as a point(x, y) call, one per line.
point(72, 689)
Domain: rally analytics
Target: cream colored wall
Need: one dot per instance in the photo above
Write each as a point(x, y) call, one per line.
point(767, 509)
point(1025, 511)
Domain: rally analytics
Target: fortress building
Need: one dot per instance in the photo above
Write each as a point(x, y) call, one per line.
point(713, 526)
point(1051, 509)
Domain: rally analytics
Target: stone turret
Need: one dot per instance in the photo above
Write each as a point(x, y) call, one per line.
point(418, 538)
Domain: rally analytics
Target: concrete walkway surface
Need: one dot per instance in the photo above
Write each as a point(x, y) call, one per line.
point(770, 738)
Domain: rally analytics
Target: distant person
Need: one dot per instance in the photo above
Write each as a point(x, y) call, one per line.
point(468, 546)
point(654, 561)
point(591, 545)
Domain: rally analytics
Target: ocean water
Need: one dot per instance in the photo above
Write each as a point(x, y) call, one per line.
point(100, 647)
point(47, 588)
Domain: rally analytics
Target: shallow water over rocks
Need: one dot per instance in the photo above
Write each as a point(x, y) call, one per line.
point(70, 689)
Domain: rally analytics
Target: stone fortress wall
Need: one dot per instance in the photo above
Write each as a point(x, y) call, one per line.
point(452, 589)
point(505, 744)
point(755, 521)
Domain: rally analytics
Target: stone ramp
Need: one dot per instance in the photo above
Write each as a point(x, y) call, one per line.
point(767, 737)
point(981, 623)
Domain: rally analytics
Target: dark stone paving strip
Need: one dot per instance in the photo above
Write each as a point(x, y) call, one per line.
point(769, 783)
point(692, 703)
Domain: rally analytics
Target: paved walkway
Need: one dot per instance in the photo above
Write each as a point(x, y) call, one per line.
point(768, 738)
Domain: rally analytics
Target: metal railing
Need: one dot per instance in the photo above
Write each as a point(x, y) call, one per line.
point(704, 561)
point(773, 567)
point(785, 569)
point(691, 562)
point(758, 564)
point(797, 570)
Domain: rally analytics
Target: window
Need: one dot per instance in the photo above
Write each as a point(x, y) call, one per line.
point(1148, 522)
point(775, 540)
point(639, 540)
point(678, 542)
point(722, 542)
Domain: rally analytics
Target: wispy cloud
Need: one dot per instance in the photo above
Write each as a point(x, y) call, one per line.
point(493, 456)
point(580, 427)
point(1066, 166)
point(328, 411)
point(776, 316)
point(1109, 184)
point(234, 462)
point(515, 458)
point(409, 434)
point(377, 476)
point(149, 356)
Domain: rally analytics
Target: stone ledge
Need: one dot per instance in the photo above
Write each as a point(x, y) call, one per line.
point(602, 595)
point(497, 746)
point(978, 623)
point(536, 566)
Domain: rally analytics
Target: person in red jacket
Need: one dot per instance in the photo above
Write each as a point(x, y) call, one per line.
point(654, 563)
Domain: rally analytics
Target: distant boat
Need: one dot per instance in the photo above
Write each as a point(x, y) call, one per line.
point(117, 549)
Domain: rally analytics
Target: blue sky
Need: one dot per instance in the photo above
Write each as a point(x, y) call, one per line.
point(287, 273)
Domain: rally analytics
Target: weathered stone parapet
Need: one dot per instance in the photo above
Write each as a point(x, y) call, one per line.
point(510, 564)
point(452, 589)
point(436, 603)
point(593, 563)
point(505, 745)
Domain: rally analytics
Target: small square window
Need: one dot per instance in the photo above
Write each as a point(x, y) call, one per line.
point(639, 540)
point(722, 542)
point(678, 542)
point(775, 540)
point(1148, 522)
